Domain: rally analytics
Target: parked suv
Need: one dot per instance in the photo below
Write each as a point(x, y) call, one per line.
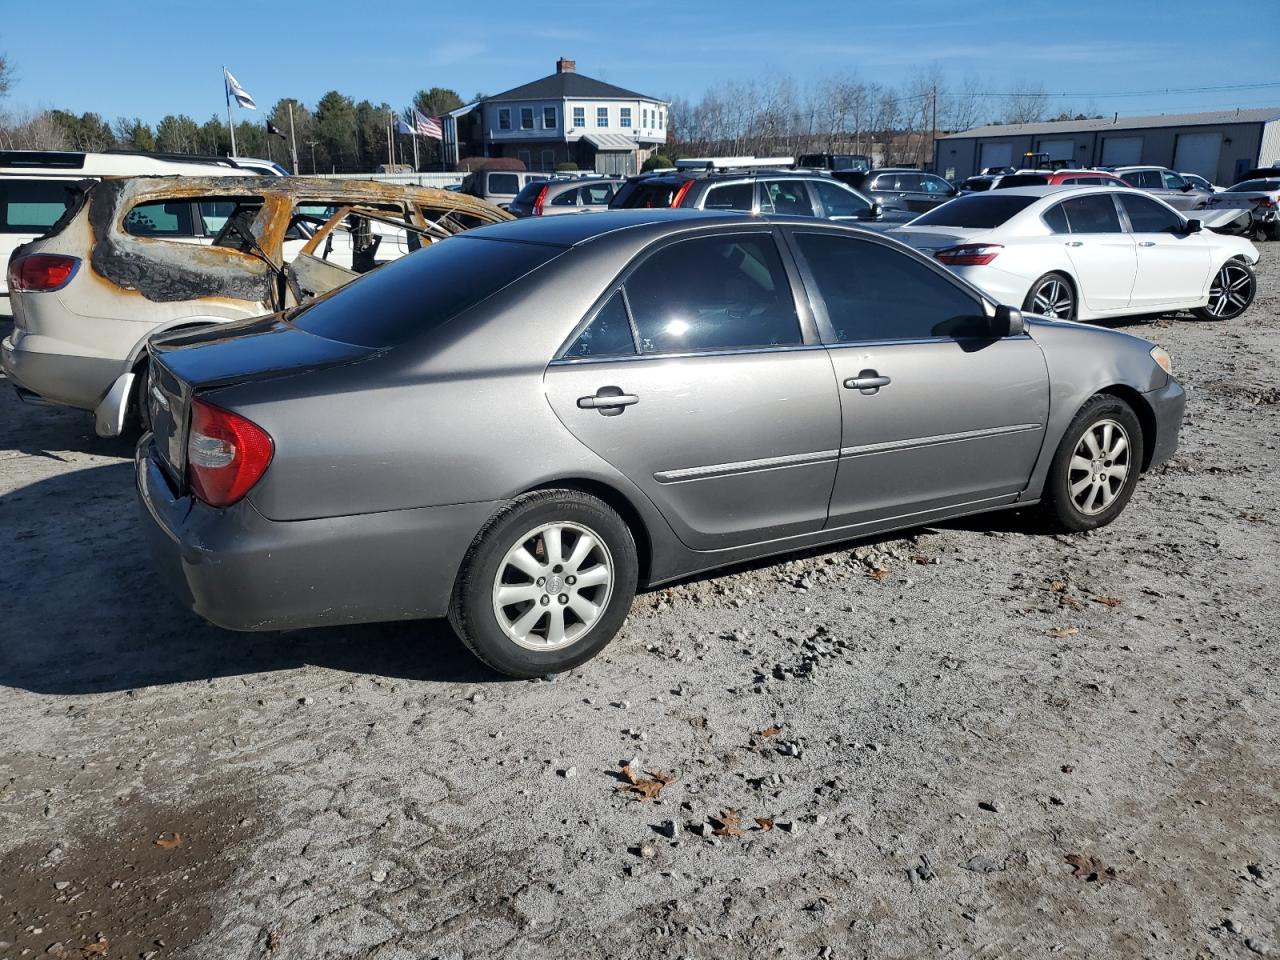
point(773, 188)
point(549, 198)
point(499, 187)
point(901, 190)
point(1168, 185)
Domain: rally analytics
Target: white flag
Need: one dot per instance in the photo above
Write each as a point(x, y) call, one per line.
point(240, 93)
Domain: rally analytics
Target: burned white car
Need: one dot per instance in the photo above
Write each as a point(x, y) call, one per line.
point(137, 256)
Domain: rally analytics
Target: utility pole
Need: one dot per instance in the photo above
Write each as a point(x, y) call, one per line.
point(933, 130)
point(293, 142)
point(312, 145)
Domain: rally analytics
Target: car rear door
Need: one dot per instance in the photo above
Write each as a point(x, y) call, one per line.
point(700, 377)
point(1173, 265)
point(1102, 253)
point(936, 412)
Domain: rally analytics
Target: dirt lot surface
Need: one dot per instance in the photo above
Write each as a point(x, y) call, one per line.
point(972, 741)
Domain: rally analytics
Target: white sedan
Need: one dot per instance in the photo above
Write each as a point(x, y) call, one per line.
point(1080, 253)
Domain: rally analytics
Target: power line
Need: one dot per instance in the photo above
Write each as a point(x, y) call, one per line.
point(1049, 94)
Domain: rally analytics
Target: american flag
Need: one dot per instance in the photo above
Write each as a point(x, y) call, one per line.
point(427, 126)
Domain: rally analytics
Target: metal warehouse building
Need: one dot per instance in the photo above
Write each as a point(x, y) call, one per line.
point(1219, 145)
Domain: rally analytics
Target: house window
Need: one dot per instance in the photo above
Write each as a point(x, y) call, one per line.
point(526, 118)
point(548, 159)
point(548, 118)
point(625, 120)
point(525, 157)
point(579, 117)
point(504, 118)
point(644, 115)
point(602, 116)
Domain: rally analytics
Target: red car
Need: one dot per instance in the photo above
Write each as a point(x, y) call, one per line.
point(1055, 178)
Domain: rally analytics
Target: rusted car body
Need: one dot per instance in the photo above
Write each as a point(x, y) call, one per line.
point(142, 255)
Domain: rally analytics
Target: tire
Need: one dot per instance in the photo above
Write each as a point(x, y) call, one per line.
point(1053, 296)
point(513, 554)
point(1083, 490)
point(139, 414)
point(1231, 293)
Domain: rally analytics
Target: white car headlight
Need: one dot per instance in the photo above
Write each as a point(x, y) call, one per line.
point(1161, 357)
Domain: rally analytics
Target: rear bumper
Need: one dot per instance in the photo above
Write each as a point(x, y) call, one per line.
point(1168, 404)
point(48, 368)
point(241, 571)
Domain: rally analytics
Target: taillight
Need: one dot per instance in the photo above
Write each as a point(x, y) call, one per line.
point(969, 254)
point(1266, 202)
point(679, 197)
point(226, 454)
point(537, 204)
point(42, 272)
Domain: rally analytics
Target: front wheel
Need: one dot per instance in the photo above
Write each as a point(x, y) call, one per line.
point(1232, 291)
point(546, 585)
point(1052, 296)
point(1096, 466)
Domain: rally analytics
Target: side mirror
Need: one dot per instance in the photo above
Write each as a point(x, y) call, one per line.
point(877, 210)
point(1186, 187)
point(1195, 226)
point(1009, 322)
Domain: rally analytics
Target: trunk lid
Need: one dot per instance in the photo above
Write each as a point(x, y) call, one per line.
point(187, 363)
point(931, 239)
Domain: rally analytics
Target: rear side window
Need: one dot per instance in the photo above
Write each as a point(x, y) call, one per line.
point(873, 292)
point(1143, 179)
point(644, 195)
point(1055, 218)
point(503, 183)
point(419, 293)
point(731, 196)
point(1092, 214)
point(1148, 216)
point(597, 194)
point(713, 293)
point(608, 335)
point(165, 218)
point(982, 210)
point(565, 198)
point(33, 206)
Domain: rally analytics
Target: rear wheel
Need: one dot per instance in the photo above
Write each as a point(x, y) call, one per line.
point(1052, 296)
point(1096, 466)
point(546, 585)
point(1232, 291)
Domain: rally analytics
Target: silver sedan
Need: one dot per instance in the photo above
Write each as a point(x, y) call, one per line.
point(518, 427)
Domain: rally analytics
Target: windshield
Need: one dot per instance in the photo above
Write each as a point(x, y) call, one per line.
point(983, 210)
point(420, 292)
point(33, 206)
point(1251, 185)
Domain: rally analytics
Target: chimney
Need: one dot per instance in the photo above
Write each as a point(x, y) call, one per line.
point(566, 66)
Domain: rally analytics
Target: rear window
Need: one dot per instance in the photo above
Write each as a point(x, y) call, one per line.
point(530, 191)
point(33, 206)
point(420, 292)
point(982, 210)
point(976, 184)
point(644, 194)
point(1021, 180)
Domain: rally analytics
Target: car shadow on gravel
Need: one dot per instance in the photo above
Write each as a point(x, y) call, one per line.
point(84, 612)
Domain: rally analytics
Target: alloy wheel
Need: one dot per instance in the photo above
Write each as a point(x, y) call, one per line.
point(1099, 467)
point(553, 586)
point(1053, 299)
point(1229, 295)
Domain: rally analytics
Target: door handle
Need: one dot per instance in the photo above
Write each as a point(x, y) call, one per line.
point(610, 401)
point(868, 381)
point(1146, 243)
point(1075, 243)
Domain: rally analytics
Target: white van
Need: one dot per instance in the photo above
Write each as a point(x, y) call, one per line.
point(36, 186)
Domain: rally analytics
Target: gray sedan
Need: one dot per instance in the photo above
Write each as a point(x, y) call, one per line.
point(519, 426)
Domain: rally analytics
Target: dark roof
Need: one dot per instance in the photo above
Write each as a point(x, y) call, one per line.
point(575, 85)
point(1212, 118)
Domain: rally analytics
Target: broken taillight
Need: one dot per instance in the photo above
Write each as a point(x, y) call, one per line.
point(42, 272)
point(537, 204)
point(969, 254)
point(226, 454)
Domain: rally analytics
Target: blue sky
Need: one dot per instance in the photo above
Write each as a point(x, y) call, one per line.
point(152, 58)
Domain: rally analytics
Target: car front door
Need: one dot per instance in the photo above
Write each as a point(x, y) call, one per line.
point(1102, 253)
point(787, 196)
point(937, 412)
point(935, 191)
point(700, 377)
point(1173, 265)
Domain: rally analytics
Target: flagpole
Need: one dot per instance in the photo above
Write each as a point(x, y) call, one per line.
point(226, 92)
point(293, 141)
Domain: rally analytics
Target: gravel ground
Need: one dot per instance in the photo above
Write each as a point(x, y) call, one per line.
point(971, 741)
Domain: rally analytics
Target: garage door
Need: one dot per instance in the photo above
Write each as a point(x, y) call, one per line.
point(1121, 151)
point(1059, 149)
point(996, 155)
point(1198, 153)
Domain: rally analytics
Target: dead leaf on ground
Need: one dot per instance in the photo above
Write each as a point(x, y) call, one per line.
point(168, 841)
point(640, 788)
point(764, 823)
point(769, 732)
point(728, 824)
point(1069, 602)
point(1057, 586)
point(1089, 869)
point(879, 574)
point(95, 949)
point(1063, 632)
point(1108, 601)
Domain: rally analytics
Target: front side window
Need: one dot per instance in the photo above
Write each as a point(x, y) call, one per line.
point(608, 335)
point(163, 218)
point(33, 206)
point(839, 201)
point(1171, 180)
point(785, 197)
point(625, 117)
point(579, 117)
point(548, 118)
point(504, 118)
point(873, 292)
point(526, 118)
point(713, 293)
point(1150, 216)
point(731, 196)
point(935, 185)
point(1092, 214)
point(602, 116)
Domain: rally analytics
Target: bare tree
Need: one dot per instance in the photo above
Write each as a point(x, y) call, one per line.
point(6, 76)
point(38, 130)
point(1027, 103)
